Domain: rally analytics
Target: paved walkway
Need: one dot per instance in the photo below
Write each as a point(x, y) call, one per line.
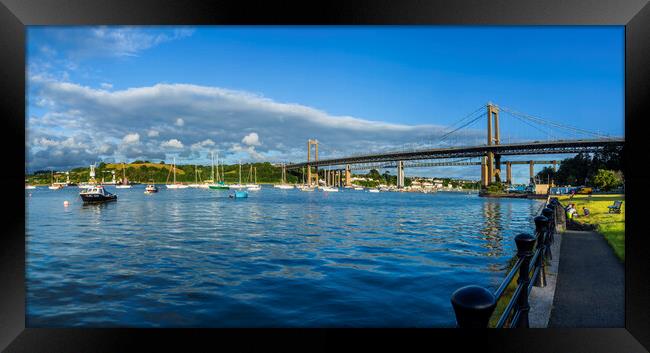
point(590, 288)
point(541, 298)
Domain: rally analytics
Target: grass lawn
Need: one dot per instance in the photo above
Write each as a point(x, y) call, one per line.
point(610, 225)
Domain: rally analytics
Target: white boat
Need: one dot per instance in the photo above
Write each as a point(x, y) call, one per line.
point(150, 189)
point(330, 189)
point(307, 188)
point(373, 190)
point(283, 186)
point(30, 187)
point(358, 188)
point(254, 188)
point(175, 185)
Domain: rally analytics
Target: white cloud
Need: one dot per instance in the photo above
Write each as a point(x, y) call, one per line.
point(251, 139)
point(247, 150)
point(203, 144)
point(113, 41)
point(173, 144)
point(217, 114)
point(106, 85)
point(131, 139)
point(179, 122)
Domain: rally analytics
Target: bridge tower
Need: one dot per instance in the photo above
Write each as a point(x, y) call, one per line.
point(493, 171)
point(509, 173)
point(400, 174)
point(348, 176)
point(311, 142)
point(484, 172)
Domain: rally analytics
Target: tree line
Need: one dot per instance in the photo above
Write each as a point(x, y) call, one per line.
point(603, 169)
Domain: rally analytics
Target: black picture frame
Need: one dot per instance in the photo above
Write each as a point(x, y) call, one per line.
point(16, 14)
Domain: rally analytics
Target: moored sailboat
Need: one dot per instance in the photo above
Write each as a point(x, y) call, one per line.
point(283, 184)
point(255, 186)
point(238, 185)
point(125, 182)
point(219, 184)
point(55, 186)
point(175, 185)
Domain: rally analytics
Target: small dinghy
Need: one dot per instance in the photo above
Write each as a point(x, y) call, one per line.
point(150, 189)
point(239, 195)
point(97, 194)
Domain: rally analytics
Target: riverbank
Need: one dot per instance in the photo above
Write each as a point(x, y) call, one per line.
point(610, 225)
point(512, 195)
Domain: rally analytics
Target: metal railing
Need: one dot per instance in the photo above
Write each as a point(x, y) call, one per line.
point(474, 305)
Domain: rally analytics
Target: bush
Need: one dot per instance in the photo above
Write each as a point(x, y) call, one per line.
point(496, 188)
point(607, 179)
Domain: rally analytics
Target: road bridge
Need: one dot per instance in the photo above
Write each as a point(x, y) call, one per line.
point(489, 153)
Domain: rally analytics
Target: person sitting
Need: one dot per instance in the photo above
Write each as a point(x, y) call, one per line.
point(569, 211)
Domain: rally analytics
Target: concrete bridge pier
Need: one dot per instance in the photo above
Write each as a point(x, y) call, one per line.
point(348, 175)
point(497, 168)
point(509, 173)
point(400, 174)
point(532, 171)
point(484, 172)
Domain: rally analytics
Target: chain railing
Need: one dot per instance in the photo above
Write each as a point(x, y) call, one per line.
point(474, 305)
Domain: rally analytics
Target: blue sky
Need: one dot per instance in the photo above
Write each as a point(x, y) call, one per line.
point(258, 93)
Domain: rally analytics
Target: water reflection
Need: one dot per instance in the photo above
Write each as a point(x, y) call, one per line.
point(279, 258)
point(492, 228)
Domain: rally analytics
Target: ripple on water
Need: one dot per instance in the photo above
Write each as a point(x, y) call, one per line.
point(279, 258)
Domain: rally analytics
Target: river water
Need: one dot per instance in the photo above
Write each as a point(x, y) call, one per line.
point(281, 258)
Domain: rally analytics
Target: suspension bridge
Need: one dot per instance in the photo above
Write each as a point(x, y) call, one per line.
point(551, 138)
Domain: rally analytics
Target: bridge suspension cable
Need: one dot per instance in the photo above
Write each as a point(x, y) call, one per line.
point(554, 125)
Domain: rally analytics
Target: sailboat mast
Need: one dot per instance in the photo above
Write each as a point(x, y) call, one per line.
point(218, 177)
point(174, 166)
point(255, 170)
point(239, 172)
point(212, 164)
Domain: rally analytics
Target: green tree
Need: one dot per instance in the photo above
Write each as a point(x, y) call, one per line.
point(607, 179)
point(546, 174)
point(374, 174)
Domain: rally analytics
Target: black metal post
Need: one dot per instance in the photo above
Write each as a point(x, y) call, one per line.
point(541, 227)
point(473, 306)
point(550, 214)
point(525, 243)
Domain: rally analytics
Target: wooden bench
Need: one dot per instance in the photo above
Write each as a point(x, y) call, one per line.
point(615, 208)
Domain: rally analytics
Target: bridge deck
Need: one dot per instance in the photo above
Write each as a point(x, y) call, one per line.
point(521, 148)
